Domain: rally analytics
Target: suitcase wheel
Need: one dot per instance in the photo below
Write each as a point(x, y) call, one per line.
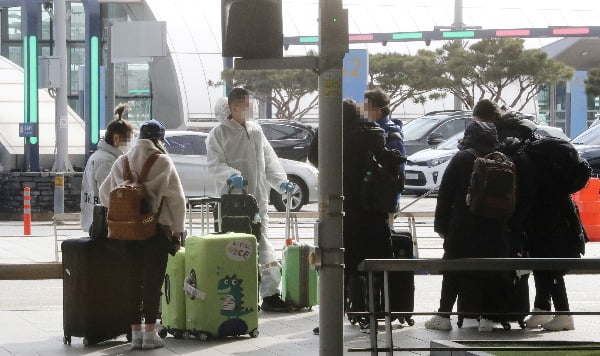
point(460, 321)
point(410, 321)
point(202, 335)
point(506, 326)
point(162, 332)
point(254, 333)
point(67, 340)
point(522, 324)
point(178, 334)
point(352, 320)
point(86, 342)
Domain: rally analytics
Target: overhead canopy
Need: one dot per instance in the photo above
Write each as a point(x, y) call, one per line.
point(579, 53)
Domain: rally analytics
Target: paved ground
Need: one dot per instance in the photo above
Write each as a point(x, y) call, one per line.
point(31, 311)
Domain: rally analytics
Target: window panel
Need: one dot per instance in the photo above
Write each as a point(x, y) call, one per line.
point(46, 26)
point(14, 23)
point(76, 59)
point(76, 23)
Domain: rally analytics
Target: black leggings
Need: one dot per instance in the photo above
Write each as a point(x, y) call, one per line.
point(149, 259)
point(550, 287)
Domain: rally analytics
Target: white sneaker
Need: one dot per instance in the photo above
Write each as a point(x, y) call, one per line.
point(151, 340)
point(536, 321)
point(136, 339)
point(438, 322)
point(559, 323)
point(486, 325)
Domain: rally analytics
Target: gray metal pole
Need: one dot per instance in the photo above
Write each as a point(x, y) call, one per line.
point(61, 163)
point(458, 25)
point(331, 342)
point(59, 193)
point(110, 79)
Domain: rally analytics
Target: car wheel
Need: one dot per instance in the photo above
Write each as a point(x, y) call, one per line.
point(298, 196)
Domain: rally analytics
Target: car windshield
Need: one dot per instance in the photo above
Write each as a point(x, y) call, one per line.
point(451, 143)
point(418, 127)
point(186, 145)
point(590, 136)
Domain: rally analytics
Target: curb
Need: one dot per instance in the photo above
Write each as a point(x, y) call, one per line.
point(31, 271)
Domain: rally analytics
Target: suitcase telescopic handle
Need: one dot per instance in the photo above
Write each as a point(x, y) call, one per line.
point(288, 219)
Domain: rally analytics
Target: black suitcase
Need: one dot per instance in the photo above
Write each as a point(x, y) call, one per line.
point(512, 295)
point(402, 284)
point(517, 300)
point(97, 290)
point(239, 210)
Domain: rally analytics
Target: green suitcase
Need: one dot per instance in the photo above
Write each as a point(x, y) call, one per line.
point(173, 297)
point(299, 278)
point(221, 285)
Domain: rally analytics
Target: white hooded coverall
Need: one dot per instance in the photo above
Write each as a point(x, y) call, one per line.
point(236, 149)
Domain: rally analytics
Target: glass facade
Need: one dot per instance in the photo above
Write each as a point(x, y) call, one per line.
point(552, 106)
point(132, 81)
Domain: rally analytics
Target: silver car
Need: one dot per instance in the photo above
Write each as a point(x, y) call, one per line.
point(188, 151)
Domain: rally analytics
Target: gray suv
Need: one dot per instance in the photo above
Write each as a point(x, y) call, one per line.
point(434, 128)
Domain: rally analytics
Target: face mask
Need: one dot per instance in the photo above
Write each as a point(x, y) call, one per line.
point(247, 114)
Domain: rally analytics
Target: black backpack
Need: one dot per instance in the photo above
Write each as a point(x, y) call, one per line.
point(560, 162)
point(492, 189)
point(383, 180)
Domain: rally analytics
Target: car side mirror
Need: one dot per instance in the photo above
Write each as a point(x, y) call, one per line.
point(435, 139)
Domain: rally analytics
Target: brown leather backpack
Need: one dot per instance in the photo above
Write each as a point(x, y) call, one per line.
point(130, 215)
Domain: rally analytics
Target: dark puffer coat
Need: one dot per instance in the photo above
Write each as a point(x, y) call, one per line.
point(465, 234)
point(366, 233)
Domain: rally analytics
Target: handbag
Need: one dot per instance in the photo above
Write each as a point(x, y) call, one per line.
point(99, 228)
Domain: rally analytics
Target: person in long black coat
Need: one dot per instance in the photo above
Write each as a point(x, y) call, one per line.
point(554, 230)
point(366, 233)
point(466, 235)
point(545, 214)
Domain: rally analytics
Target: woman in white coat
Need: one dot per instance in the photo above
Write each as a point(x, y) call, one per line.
point(150, 256)
point(238, 150)
point(115, 143)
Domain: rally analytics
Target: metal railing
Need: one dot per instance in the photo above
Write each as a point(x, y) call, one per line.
point(371, 266)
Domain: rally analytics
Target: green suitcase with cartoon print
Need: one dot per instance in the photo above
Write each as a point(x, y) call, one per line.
point(173, 298)
point(221, 285)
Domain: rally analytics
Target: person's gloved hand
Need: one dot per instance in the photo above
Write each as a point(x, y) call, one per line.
point(237, 181)
point(287, 187)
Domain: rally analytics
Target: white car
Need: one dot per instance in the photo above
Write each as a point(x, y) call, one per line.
point(424, 169)
point(188, 151)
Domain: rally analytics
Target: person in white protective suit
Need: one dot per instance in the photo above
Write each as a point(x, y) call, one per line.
point(238, 150)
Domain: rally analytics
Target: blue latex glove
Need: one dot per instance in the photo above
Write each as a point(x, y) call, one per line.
point(287, 187)
point(237, 181)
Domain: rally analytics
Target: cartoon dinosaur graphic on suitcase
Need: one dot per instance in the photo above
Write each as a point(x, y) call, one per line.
point(231, 290)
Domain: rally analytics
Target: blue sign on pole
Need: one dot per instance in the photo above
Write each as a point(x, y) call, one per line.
point(27, 129)
point(355, 75)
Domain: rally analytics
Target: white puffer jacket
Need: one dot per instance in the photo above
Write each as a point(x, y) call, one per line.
point(162, 181)
point(96, 170)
